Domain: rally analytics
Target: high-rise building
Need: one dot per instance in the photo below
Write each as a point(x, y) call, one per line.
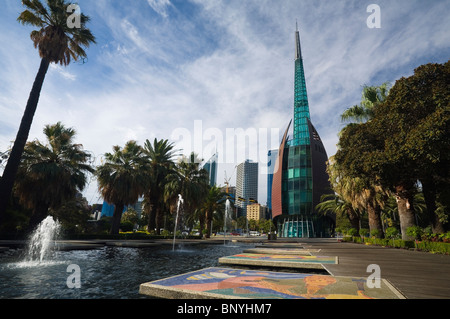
point(302, 179)
point(246, 186)
point(211, 167)
point(272, 159)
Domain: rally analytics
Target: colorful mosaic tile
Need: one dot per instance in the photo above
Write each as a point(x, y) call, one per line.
point(224, 283)
point(282, 261)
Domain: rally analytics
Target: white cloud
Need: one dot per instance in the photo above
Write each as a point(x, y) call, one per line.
point(160, 6)
point(226, 63)
point(64, 73)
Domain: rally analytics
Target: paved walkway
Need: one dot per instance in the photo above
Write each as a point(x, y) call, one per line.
point(418, 275)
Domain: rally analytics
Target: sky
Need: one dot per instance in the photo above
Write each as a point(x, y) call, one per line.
point(215, 75)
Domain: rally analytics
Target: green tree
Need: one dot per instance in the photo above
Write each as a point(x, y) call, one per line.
point(51, 175)
point(192, 183)
point(122, 179)
point(370, 195)
point(160, 157)
point(355, 159)
point(420, 104)
point(407, 140)
point(56, 43)
point(73, 214)
point(213, 202)
point(417, 146)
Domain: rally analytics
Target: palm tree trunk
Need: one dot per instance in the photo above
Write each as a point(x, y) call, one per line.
point(115, 226)
point(374, 212)
point(151, 218)
point(201, 220)
point(208, 224)
point(9, 174)
point(405, 210)
point(353, 217)
point(429, 194)
point(159, 220)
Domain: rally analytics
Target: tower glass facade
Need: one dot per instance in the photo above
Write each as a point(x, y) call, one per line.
point(303, 179)
point(301, 105)
point(297, 178)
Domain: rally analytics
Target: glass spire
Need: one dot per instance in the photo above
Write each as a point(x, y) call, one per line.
point(301, 106)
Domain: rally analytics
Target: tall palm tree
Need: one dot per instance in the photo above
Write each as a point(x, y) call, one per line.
point(191, 182)
point(57, 43)
point(122, 179)
point(367, 194)
point(51, 175)
point(160, 157)
point(213, 202)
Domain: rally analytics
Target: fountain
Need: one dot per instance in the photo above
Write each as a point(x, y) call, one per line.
point(41, 241)
point(225, 219)
point(180, 202)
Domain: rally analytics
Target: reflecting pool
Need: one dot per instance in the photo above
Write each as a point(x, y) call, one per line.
point(106, 273)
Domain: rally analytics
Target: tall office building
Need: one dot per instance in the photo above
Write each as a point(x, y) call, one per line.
point(211, 167)
point(246, 186)
point(302, 179)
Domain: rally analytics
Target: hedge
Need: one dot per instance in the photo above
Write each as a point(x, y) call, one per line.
point(434, 247)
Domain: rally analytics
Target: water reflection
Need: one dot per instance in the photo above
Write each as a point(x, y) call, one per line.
point(110, 272)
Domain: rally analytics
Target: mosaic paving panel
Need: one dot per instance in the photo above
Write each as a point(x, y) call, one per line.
point(275, 260)
point(281, 251)
point(226, 283)
point(280, 245)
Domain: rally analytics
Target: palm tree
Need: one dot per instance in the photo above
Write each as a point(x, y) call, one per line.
point(361, 194)
point(122, 179)
point(191, 182)
point(160, 157)
point(335, 204)
point(51, 175)
point(366, 194)
point(57, 43)
point(213, 202)
point(372, 96)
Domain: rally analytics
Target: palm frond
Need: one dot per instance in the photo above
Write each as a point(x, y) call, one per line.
point(56, 41)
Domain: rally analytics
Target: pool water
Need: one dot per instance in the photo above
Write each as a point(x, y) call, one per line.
point(106, 273)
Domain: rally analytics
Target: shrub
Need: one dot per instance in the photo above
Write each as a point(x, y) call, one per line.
point(364, 232)
point(126, 226)
point(446, 237)
point(375, 233)
point(352, 232)
point(165, 233)
point(391, 233)
point(414, 231)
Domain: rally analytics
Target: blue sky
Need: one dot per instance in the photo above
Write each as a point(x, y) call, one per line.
point(160, 66)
